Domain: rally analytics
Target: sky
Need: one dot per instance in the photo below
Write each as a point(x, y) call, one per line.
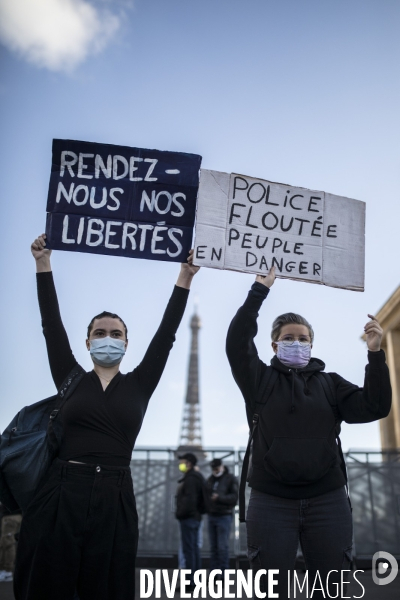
point(305, 92)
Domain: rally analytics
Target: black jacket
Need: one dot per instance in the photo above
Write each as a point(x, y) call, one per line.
point(294, 451)
point(226, 486)
point(189, 496)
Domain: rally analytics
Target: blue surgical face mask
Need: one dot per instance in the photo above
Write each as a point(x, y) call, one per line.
point(295, 355)
point(107, 352)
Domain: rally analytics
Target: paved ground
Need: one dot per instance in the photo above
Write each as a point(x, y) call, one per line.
point(372, 591)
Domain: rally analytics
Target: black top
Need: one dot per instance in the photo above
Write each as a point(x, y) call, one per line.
point(295, 436)
point(101, 426)
point(226, 486)
point(189, 496)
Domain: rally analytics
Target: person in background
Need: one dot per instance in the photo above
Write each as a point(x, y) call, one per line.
point(189, 508)
point(10, 526)
point(223, 490)
point(181, 556)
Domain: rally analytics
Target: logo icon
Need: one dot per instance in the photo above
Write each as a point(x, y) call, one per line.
point(384, 564)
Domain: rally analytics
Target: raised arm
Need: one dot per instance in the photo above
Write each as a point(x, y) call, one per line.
point(247, 367)
point(60, 355)
point(373, 401)
point(149, 371)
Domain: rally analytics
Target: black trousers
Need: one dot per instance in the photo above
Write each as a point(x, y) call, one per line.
point(324, 527)
point(80, 532)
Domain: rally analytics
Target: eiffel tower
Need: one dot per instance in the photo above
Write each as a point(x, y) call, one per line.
point(190, 436)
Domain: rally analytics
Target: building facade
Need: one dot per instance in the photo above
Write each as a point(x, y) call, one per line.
point(389, 319)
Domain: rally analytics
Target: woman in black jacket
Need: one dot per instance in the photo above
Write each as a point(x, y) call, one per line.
point(297, 476)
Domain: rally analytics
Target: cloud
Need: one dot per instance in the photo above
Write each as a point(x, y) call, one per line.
point(55, 34)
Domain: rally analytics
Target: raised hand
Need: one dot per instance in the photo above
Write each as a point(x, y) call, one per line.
point(41, 254)
point(373, 334)
point(267, 280)
point(189, 266)
point(188, 271)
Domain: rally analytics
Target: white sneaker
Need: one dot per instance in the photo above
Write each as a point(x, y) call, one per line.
point(6, 576)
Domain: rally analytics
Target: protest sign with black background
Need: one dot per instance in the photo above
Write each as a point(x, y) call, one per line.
point(123, 201)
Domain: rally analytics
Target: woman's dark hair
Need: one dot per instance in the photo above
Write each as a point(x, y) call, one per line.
point(105, 313)
point(286, 319)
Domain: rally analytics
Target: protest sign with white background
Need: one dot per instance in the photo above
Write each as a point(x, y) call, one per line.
point(250, 225)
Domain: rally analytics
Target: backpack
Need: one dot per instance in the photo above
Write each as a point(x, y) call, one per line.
point(267, 384)
point(30, 443)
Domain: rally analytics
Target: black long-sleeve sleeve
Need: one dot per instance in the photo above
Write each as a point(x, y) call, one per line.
point(373, 400)
point(61, 358)
point(247, 367)
point(150, 369)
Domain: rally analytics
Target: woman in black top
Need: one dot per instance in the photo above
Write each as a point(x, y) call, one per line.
point(80, 531)
point(297, 476)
